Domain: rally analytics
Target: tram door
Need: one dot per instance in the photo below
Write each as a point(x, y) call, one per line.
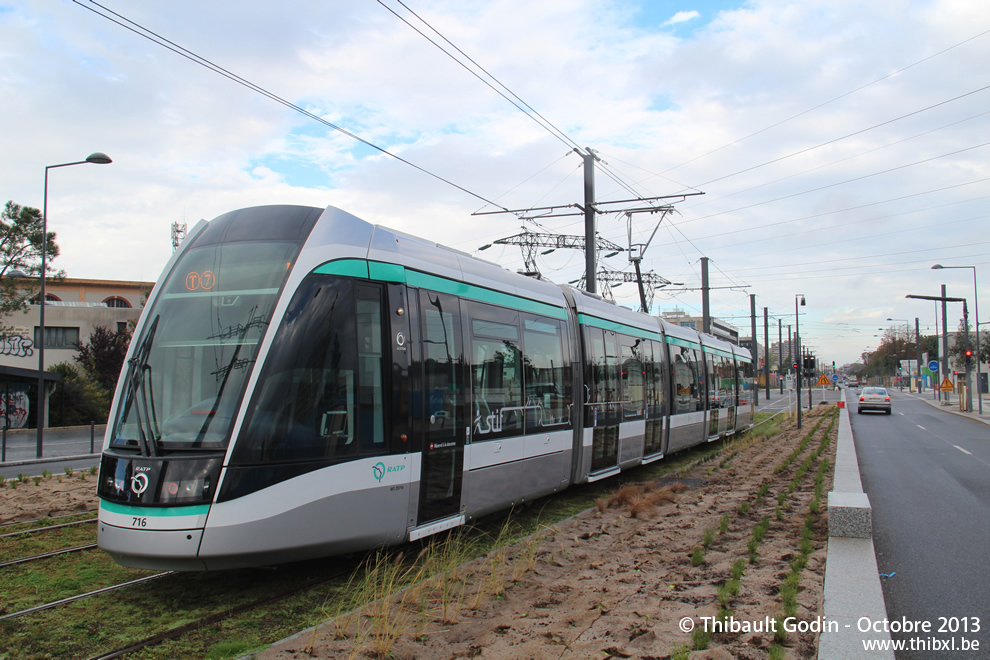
point(603, 410)
point(442, 406)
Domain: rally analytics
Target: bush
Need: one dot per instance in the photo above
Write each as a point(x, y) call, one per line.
point(78, 399)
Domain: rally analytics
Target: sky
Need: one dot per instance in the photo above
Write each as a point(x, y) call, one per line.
point(841, 147)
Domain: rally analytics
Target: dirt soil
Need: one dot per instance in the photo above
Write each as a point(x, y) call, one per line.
point(617, 581)
point(54, 496)
point(614, 581)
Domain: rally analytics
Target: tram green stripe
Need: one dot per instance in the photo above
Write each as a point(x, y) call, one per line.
point(443, 285)
point(677, 341)
point(718, 351)
point(386, 272)
point(345, 267)
point(155, 512)
point(604, 324)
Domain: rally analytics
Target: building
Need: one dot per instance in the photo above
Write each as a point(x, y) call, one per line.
point(74, 309)
point(720, 329)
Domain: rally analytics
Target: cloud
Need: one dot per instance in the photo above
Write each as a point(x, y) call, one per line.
point(737, 111)
point(681, 17)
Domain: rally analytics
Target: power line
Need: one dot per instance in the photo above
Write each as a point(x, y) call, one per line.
point(821, 105)
point(155, 38)
point(850, 208)
point(543, 121)
point(839, 183)
point(836, 162)
point(849, 135)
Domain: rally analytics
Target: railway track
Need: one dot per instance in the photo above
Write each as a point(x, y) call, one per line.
point(170, 615)
point(47, 555)
point(35, 530)
point(26, 545)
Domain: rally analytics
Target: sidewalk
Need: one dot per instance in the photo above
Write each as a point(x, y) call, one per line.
point(953, 406)
point(57, 443)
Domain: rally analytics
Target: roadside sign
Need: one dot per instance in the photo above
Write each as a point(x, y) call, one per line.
point(823, 380)
point(835, 378)
point(947, 385)
point(933, 366)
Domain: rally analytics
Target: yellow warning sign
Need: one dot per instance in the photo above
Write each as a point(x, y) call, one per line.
point(947, 385)
point(823, 380)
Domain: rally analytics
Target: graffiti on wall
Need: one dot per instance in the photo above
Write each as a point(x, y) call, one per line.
point(16, 346)
point(14, 406)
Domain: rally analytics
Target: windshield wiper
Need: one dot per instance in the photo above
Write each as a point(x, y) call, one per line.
point(223, 373)
point(139, 373)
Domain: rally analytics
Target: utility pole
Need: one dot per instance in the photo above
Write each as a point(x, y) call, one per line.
point(780, 354)
point(589, 221)
point(706, 315)
point(945, 340)
point(766, 351)
point(917, 344)
point(590, 209)
point(945, 335)
point(756, 348)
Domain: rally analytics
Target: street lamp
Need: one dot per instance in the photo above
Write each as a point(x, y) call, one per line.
point(976, 302)
point(797, 352)
point(97, 158)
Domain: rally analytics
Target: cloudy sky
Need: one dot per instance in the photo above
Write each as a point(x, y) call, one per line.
point(842, 147)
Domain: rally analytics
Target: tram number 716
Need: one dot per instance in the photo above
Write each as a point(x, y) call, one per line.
point(139, 522)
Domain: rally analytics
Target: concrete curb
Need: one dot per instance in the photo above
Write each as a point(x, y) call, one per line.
point(852, 580)
point(50, 459)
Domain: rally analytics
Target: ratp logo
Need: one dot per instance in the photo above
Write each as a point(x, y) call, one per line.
point(379, 471)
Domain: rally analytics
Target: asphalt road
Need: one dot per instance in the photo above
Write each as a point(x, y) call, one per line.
point(927, 473)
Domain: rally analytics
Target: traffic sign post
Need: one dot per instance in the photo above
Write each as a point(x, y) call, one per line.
point(946, 387)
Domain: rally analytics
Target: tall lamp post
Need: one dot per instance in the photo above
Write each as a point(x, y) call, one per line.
point(797, 352)
point(976, 302)
point(96, 158)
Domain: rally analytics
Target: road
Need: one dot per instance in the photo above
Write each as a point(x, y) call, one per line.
point(927, 473)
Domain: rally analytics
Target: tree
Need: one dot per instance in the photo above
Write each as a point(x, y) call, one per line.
point(78, 399)
point(20, 254)
point(957, 350)
point(930, 345)
point(102, 356)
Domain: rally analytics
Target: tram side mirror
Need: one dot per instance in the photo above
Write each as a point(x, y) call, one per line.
point(335, 424)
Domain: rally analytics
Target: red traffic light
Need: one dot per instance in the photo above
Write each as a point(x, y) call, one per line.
point(969, 353)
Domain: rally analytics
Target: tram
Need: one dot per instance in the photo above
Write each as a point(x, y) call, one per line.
point(303, 384)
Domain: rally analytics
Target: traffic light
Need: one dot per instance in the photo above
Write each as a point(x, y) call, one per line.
point(969, 356)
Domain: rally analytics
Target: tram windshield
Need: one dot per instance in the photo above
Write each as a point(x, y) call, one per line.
point(198, 345)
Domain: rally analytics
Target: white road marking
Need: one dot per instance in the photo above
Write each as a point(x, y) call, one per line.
point(921, 427)
point(963, 450)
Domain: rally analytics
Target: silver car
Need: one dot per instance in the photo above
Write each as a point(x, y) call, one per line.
point(874, 398)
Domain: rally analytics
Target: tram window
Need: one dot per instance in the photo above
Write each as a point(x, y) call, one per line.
point(496, 376)
point(685, 380)
point(548, 396)
point(442, 363)
point(602, 377)
point(320, 393)
point(370, 388)
point(711, 370)
point(726, 387)
point(657, 399)
point(631, 377)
